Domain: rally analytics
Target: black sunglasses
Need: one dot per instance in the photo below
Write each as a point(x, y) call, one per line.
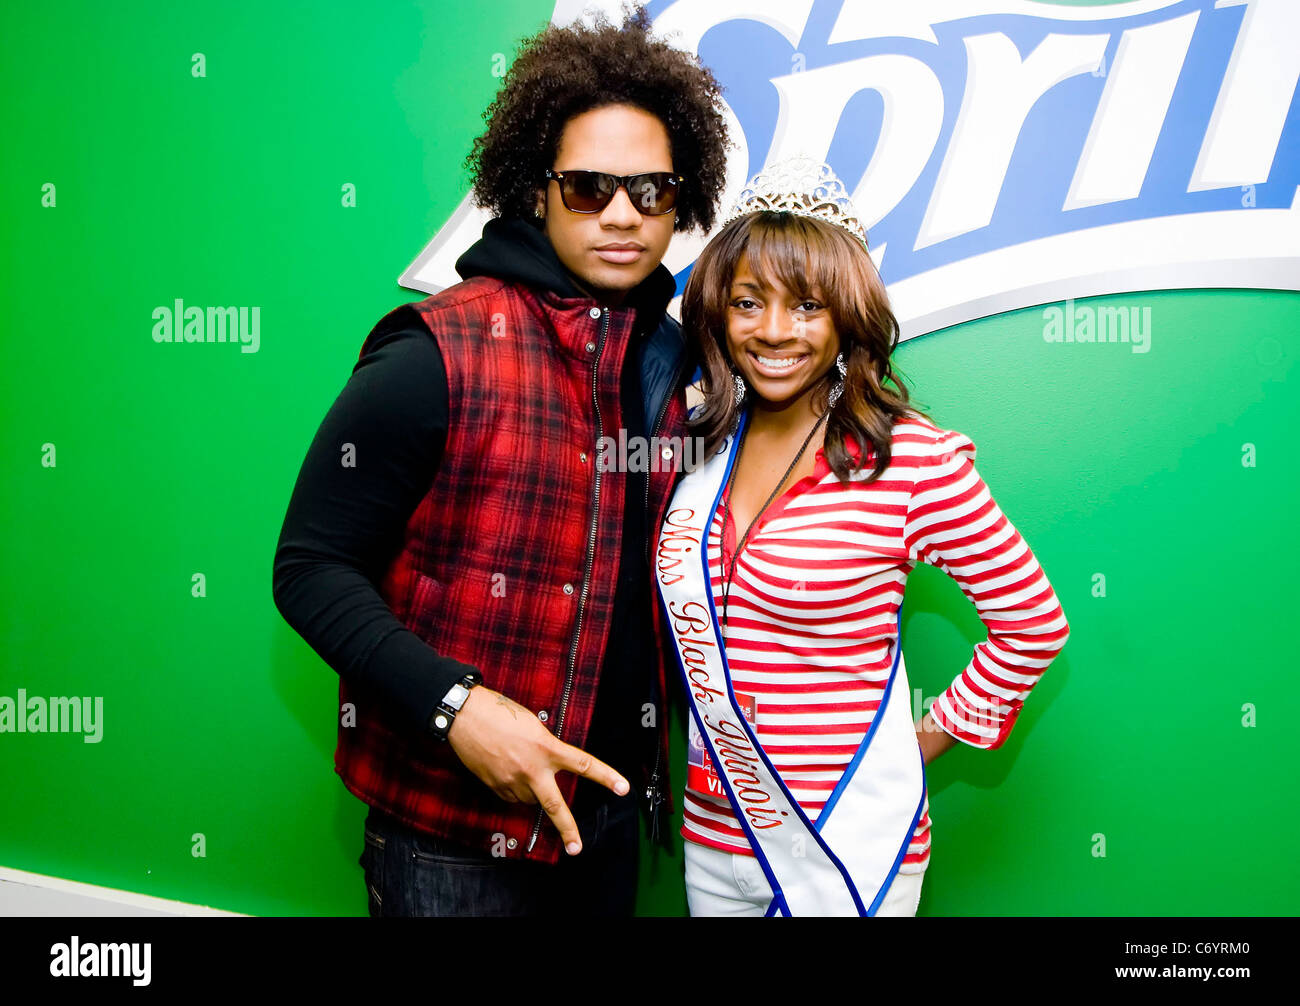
point(654, 193)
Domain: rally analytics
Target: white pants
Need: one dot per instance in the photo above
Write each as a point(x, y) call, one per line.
point(724, 883)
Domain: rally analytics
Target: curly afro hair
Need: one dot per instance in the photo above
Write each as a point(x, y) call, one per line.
point(561, 72)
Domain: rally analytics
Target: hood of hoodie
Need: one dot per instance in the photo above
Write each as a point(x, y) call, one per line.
point(515, 250)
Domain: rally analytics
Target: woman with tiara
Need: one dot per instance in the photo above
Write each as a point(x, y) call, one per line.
point(782, 564)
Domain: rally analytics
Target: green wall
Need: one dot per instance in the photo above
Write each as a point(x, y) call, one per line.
point(172, 460)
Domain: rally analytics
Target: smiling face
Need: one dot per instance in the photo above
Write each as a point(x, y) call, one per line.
point(782, 343)
point(612, 251)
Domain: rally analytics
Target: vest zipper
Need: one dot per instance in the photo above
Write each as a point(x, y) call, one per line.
point(591, 555)
point(652, 793)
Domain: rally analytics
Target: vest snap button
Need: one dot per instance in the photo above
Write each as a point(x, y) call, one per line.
point(543, 715)
point(594, 312)
point(591, 347)
point(583, 457)
point(511, 843)
point(568, 588)
point(666, 453)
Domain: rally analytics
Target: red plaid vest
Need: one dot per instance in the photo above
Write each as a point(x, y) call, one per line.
point(495, 557)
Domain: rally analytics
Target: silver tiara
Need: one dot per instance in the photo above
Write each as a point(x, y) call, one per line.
point(803, 186)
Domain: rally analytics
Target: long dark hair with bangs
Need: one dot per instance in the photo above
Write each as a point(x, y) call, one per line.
point(805, 254)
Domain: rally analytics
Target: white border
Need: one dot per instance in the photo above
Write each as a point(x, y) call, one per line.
point(1251, 249)
point(100, 901)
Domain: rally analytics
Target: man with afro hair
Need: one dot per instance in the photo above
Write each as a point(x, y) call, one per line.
point(480, 574)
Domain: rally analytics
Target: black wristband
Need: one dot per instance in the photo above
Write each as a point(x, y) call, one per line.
point(445, 715)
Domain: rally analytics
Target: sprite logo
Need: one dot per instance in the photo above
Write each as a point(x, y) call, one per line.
point(1007, 153)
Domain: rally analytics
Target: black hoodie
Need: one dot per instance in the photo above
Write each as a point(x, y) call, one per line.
point(343, 526)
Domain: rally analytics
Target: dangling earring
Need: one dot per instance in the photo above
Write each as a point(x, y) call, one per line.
point(838, 388)
point(739, 383)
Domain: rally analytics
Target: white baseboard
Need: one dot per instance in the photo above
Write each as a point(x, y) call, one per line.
point(34, 894)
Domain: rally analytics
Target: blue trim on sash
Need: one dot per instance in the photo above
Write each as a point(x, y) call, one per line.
point(686, 681)
point(902, 851)
point(843, 784)
point(846, 778)
point(744, 723)
point(776, 776)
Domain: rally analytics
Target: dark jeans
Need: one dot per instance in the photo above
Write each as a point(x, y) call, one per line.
point(412, 873)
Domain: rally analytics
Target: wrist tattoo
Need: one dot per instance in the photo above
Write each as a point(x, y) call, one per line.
point(511, 706)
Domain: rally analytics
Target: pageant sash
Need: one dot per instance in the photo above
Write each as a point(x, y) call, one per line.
point(845, 861)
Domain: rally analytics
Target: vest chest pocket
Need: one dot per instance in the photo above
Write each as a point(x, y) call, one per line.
point(428, 595)
point(426, 607)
